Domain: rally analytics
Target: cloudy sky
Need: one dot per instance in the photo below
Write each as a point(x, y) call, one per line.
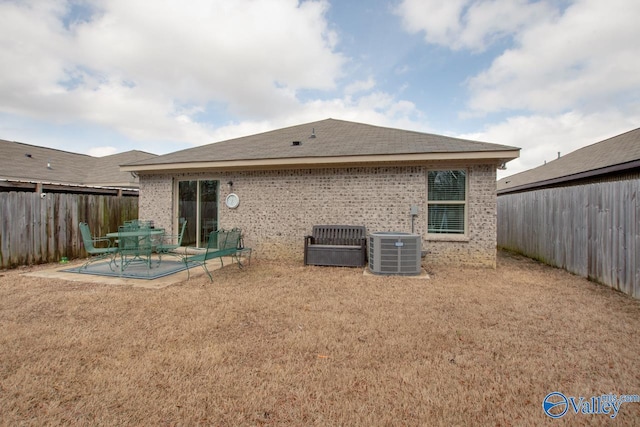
point(106, 76)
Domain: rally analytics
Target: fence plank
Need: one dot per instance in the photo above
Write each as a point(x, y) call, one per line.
point(37, 230)
point(591, 230)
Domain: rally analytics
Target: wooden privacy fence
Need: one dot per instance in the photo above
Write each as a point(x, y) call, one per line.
point(591, 230)
point(35, 229)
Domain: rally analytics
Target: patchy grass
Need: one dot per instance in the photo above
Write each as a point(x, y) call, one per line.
point(283, 344)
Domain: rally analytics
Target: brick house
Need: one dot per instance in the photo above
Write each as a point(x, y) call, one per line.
point(276, 185)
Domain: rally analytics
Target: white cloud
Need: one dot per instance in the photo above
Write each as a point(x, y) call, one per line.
point(360, 86)
point(468, 24)
point(440, 20)
point(376, 108)
point(147, 73)
point(570, 72)
point(577, 77)
point(584, 56)
point(176, 73)
point(541, 137)
point(587, 58)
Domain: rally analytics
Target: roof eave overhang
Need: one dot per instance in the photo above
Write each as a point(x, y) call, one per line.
point(594, 173)
point(497, 157)
point(45, 186)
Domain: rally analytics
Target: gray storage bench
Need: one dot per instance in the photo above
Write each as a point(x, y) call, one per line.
point(336, 245)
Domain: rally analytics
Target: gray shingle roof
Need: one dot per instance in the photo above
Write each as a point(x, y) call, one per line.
point(108, 169)
point(24, 162)
point(333, 138)
point(601, 156)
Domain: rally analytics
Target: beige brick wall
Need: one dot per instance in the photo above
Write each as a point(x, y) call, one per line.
point(278, 208)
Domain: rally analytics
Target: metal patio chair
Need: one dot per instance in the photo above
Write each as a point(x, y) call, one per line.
point(170, 242)
point(96, 253)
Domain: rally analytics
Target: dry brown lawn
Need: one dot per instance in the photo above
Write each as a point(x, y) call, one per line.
point(284, 344)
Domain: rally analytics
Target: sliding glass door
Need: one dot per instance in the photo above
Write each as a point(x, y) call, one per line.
point(198, 205)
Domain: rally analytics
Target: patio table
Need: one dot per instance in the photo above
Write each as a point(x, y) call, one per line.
point(137, 235)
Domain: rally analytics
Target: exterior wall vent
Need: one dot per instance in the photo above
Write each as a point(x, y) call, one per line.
point(395, 253)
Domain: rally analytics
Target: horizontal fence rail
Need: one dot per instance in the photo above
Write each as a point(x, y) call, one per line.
point(591, 230)
point(37, 229)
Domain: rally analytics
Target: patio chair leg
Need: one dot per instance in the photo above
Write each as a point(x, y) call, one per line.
point(204, 265)
point(237, 258)
point(186, 265)
point(97, 258)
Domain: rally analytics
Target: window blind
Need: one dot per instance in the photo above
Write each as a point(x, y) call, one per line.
point(447, 185)
point(446, 219)
point(446, 200)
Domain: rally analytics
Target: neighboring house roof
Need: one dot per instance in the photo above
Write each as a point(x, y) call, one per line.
point(109, 173)
point(325, 142)
point(614, 155)
point(26, 163)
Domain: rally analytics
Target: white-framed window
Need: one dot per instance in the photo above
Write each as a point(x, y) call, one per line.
point(447, 202)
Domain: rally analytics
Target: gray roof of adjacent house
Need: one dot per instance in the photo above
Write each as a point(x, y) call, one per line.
point(26, 163)
point(618, 154)
point(325, 142)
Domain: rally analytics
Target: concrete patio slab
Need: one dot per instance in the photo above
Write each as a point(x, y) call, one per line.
point(159, 283)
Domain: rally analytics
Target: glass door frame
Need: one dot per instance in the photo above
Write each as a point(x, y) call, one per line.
point(200, 239)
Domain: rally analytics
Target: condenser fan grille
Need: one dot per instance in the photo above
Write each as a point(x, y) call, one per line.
point(394, 253)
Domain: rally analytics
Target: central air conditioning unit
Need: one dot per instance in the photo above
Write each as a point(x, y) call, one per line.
point(395, 253)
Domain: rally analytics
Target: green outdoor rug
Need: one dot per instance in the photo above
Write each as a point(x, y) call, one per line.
point(135, 270)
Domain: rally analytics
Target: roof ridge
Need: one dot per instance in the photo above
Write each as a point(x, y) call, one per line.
point(418, 132)
point(40, 147)
point(125, 152)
